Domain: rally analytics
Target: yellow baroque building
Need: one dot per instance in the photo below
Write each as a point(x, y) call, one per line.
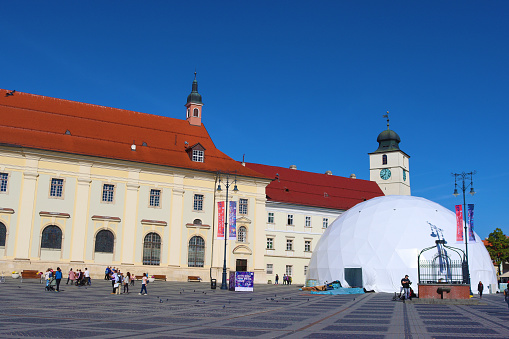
point(91, 186)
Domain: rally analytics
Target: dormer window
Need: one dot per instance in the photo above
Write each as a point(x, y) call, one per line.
point(196, 153)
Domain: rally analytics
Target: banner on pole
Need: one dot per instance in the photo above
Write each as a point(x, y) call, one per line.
point(220, 220)
point(232, 215)
point(471, 236)
point(459, 223)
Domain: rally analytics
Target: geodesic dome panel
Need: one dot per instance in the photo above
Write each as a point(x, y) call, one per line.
point(383, 236)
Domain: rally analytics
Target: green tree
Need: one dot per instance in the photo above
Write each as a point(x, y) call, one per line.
point(498, 247)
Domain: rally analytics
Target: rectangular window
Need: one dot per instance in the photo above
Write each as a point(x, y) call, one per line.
point(325, 222)
point(3, 182)
point(155, 198)
point(289, 269)
point(289, 244)
point(56, 188)
point(270, 243)
point(270, 218)
point(307, 245)
point(243, 206)
point(308, 221)
point(198, 202)
point(305, 270)
point(269, 268)
point(198, 155)
point(108, 192)
point(290, 219)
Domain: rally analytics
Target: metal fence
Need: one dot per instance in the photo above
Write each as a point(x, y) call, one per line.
point(448, 271)
point(441, 268)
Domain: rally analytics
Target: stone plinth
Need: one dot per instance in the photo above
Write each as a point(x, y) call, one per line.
point(432, 291)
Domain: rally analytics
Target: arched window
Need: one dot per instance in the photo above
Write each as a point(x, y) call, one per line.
point(241, 234)
point(188, 112)
point(196, 112)
point(52, 237)
point(3, 232)
point(197, 222)
point(152, 249)
point(104, 241)
point(384, 159)
point(196, 257)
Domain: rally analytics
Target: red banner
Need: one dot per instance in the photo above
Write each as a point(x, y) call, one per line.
point(459, 223)
point(220, 219)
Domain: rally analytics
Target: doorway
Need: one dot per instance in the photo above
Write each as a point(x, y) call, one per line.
point(241, 265)
point(353, 277)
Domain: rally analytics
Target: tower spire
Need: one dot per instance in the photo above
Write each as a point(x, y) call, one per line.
point(387, 116)
point(194, 104)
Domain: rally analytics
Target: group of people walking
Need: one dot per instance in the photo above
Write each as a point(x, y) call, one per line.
point(79, 278)
point(287, 280)
point(119, 280)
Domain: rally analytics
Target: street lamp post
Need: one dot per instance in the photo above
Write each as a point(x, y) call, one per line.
point(461, 177)
point(227, 184)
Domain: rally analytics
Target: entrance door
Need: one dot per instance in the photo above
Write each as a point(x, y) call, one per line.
point(353, 277)
point(241, 265)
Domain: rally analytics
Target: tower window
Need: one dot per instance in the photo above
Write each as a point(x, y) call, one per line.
point(384, 159)
point(196, 112)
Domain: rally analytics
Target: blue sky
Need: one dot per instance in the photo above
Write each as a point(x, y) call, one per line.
point(292, 82)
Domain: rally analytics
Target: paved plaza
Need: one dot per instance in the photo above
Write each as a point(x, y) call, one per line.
point(193, 310)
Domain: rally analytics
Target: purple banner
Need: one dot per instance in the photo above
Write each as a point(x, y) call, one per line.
point(471, 236)
point(232, 216)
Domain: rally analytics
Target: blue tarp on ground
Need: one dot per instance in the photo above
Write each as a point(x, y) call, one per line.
point(341, 290)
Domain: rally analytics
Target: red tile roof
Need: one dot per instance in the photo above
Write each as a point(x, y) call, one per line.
point(40, 122)
point(314, 189)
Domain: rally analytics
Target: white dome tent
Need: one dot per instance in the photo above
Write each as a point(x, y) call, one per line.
point(381, 239)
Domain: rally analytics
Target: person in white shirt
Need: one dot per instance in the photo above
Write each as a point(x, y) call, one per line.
point(87, 277)
point(113, 280)
point(144, 282)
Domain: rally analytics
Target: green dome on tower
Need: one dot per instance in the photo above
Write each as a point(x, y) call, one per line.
point(194, 97)
point(388, 140)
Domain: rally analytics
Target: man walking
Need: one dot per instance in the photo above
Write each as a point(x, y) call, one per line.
point(480, 288)
point(87, 277)
point(58, 278)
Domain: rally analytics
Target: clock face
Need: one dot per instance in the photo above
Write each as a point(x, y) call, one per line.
point(404, 175)
point(385, 173)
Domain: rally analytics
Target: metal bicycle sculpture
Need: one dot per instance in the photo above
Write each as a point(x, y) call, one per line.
point(442, 268)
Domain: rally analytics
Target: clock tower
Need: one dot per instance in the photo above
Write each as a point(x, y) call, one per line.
point(388, 165)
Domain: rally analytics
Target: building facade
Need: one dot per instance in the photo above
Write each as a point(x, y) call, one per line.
point(300, 206)
point(89, 186)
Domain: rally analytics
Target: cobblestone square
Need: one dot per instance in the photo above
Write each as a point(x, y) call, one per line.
point(193, 310)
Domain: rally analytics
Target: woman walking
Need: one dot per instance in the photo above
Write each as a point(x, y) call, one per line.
point(127, 280)
point(71, 277)
point(480, 288)
point(144, 282)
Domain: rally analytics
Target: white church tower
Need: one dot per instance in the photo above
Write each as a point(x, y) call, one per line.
point(388, 165)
